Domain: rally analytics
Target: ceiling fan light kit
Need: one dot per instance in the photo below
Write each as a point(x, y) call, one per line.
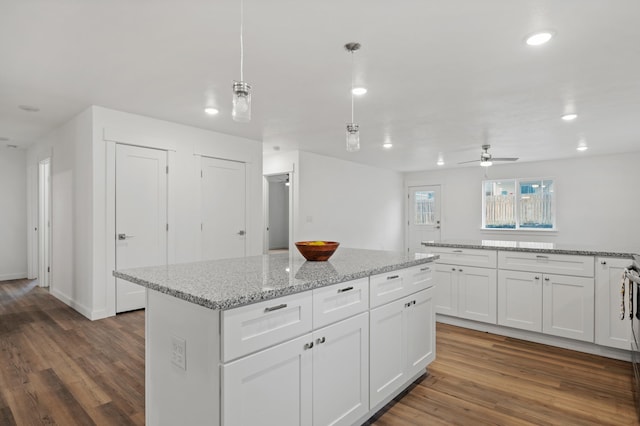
point(487, 159)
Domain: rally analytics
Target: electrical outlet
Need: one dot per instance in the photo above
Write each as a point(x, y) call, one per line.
point(179, 352)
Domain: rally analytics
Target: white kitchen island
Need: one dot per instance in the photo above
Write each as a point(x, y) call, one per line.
point(277, 340)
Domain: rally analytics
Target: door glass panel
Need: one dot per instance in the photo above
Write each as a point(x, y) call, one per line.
point(424, 205)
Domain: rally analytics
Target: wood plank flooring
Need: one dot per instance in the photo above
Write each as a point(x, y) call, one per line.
point(56, 367)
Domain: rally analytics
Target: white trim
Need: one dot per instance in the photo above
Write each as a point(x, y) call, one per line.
point(531, 336)
point(73, 304)
point(14, 276)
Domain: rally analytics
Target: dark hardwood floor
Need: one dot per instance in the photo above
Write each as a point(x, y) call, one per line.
point(56, 367)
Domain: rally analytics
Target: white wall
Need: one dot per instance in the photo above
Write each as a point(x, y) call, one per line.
point(278, 215)
point(598, 200)
point(13, 223)
point(359, 206)
point(70, 149)
point(185, 145)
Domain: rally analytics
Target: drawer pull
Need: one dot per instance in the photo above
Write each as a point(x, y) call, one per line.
point(457, 251)
point(393, 277)
point(342, 290)
point(308, 346)
point(537, 278)
point(546, 278)
point(275, 308)
point(425, 269)
point(541, 257)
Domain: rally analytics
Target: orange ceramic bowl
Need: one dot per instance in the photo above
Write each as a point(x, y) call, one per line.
point(317, 250)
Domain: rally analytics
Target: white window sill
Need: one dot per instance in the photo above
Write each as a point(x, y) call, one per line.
point(519, 231)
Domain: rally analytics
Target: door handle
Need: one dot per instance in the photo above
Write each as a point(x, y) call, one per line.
point(241, 232)
point(437, 226)
point(124, 236)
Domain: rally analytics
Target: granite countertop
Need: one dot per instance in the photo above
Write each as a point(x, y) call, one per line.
point(229, 283)
point(535, 247)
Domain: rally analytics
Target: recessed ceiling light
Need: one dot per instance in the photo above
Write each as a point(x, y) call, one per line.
point(29, 108)
point(387, 145)
point(359, 91)
point(440, 162)
point(582, 148)
point(211, 110)
point(570, 116)
point(540, 38)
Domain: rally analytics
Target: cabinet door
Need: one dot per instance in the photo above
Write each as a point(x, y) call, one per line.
point(478, 294)
point(446, 283)
point(341, 372)
point(610, 329)
point(420, 326)
point(272, 386)
point(568, 306)
point(520, 300)
point(387, 353)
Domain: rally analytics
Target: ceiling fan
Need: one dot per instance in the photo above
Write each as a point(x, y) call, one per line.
point(486, 159)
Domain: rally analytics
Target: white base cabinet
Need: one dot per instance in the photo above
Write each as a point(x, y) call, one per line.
point(610, 329)
point(400, 344)
point(560, 305)
point(466, 292)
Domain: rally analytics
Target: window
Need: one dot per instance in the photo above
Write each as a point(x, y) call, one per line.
point(518, 204)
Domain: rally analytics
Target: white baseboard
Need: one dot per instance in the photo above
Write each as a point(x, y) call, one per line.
point(72, 303)
point(13, 276)
point(531, 336)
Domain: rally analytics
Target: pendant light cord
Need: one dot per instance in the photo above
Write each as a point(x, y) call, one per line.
point(352, 78)
point(241, 40)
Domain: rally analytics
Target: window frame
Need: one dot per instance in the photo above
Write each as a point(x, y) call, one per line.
point(518, 194)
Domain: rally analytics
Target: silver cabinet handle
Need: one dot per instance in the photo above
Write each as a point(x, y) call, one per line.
point(457, 251)
point(308, 346)
point(537, 278)
point(125, 236)
point(241, 232)
point(541, 257)
point(460, 270)
point(322, 340)
point(425, 269)
point(275, 308)
point(342, 290)
point(393, 277)
point(603, 262)
point(546, 278)
point(453, 269)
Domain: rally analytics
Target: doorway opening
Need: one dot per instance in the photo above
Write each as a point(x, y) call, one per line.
point(44, 223)
point(277, 213)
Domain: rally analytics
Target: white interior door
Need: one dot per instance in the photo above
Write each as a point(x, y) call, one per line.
point(223, 208)
point(44, 223)
point(141, 217)
point(423, 223)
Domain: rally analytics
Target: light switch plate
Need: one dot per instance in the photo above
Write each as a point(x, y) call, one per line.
point(179, 352)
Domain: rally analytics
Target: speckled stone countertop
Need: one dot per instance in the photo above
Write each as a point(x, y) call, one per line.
point(534, 247)
point(229, 283)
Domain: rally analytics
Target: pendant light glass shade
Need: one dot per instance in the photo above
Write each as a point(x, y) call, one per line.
point(353, 137)
point(241, 102)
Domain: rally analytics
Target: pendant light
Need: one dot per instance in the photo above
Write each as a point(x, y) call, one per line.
point(353, 131)
point(241, 90)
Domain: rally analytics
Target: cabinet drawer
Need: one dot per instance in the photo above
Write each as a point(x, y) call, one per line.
point(254, 327)
point(419, 278)
point(387, 287)
point(563, 264)
point(340, 301)
point(466, 257)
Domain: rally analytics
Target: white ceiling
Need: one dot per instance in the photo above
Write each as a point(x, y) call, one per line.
point(444, 76)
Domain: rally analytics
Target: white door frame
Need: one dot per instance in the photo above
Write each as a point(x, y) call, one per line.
point(110, 224)
point(265, 204)
point(44, 222)
point(407, 191)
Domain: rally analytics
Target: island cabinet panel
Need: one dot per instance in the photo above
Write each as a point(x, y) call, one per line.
point(402, 343)
point(610, 329)
point(341, 372)
point(270, 387)
point(253, 327)
point(340, 301)
point(564, 264)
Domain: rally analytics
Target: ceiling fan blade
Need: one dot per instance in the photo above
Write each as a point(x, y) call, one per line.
point(505, 159)
point(472, 161)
